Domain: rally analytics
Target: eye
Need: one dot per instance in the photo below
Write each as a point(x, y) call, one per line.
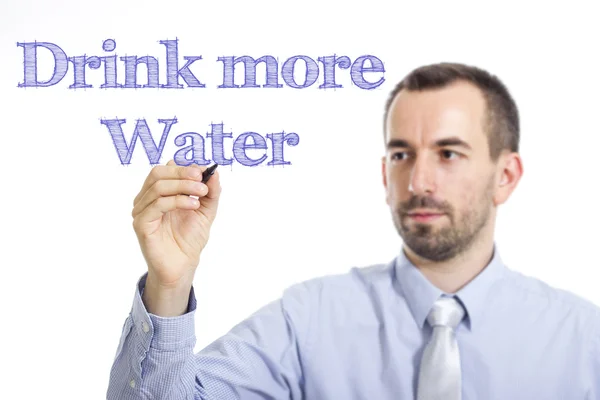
point(447, 154)
point(399, 155)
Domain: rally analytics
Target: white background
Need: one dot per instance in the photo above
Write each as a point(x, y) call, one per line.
point(70, 258)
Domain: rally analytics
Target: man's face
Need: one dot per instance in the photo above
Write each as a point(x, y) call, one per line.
point(438, 174)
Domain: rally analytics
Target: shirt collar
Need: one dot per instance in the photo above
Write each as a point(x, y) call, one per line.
point(421, 294)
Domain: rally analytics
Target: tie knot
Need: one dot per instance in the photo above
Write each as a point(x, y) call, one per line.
point(446, 311)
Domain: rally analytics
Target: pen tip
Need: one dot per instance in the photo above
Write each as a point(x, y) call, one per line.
point(210, 170)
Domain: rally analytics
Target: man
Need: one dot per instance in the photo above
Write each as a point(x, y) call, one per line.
point(446, 319)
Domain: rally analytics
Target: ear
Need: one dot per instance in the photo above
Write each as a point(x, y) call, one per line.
point(384, 172)
point(384, 179)
point(510, 173)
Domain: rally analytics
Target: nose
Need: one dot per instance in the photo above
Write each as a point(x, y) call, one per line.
point(422, 180)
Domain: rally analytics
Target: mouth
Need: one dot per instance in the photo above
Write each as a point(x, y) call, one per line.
point(424, 216)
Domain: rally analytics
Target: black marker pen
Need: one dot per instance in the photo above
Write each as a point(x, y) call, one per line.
point(209, 172)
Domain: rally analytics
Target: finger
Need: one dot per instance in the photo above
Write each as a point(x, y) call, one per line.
point(166, 172)
point(210, 202)
point(162, 205)
point(170, 187)
point(214, 186)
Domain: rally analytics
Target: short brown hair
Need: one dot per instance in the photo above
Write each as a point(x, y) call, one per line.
point(502, 122)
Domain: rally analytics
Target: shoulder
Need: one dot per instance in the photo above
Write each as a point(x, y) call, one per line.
point(353, 282)
point(563, 307)
point(553, 296)
point(341, 299)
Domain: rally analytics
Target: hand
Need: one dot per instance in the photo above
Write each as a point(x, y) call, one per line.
point(173, 228)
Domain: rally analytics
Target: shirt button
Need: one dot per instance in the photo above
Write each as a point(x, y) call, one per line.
point(145, 327)
point(132, 383)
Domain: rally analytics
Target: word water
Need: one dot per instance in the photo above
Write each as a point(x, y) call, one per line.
point(195, 152)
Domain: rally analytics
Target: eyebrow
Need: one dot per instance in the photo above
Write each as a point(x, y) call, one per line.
point(451, 141)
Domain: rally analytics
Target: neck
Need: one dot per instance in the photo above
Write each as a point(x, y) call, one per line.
point(452, 275)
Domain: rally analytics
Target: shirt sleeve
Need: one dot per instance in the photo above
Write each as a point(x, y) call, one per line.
point(594, 392)
point(258, 359)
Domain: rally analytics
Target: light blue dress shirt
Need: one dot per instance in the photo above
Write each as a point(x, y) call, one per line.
point(360, 335)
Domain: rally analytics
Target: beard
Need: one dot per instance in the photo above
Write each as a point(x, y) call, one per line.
point(445, 243)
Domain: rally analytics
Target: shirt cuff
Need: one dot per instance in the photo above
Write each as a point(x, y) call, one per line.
point(163, 333)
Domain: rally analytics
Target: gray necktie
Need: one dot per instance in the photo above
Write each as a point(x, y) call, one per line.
point(439, 375)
